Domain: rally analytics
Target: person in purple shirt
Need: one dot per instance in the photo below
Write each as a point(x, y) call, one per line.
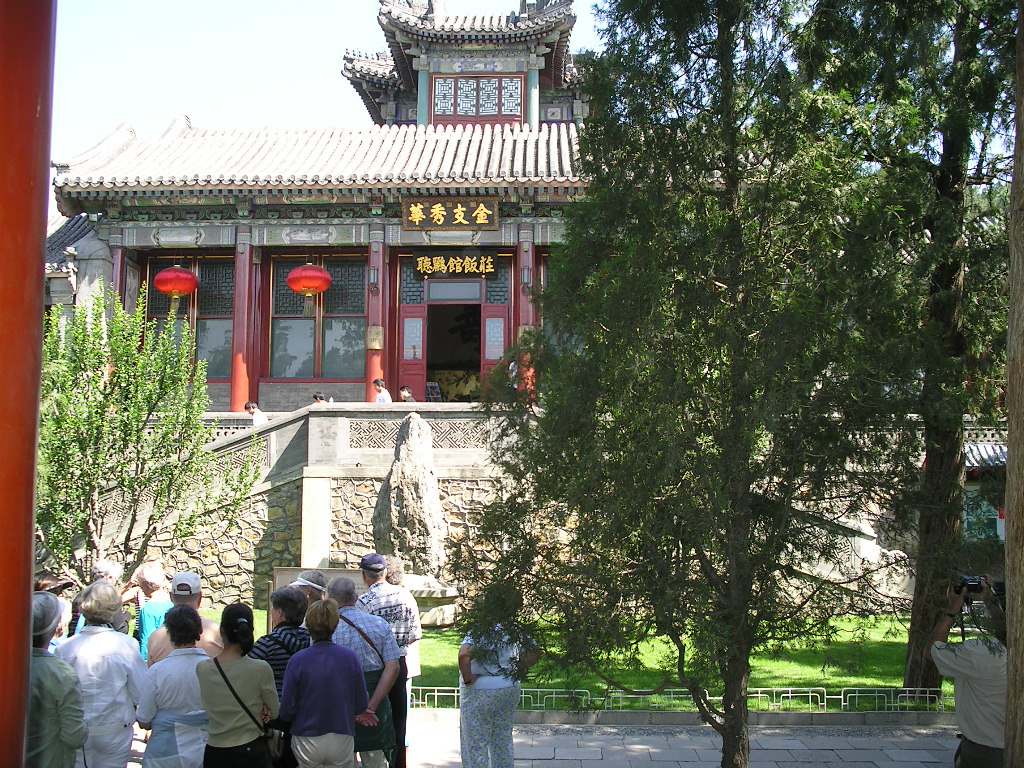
point(323, 695)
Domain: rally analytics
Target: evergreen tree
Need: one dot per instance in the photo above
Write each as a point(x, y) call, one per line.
point(935, 79)
point(722, 376)
point(1014, 754)
point(122, 437)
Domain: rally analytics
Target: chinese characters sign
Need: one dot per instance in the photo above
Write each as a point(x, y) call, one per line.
point(434, 213)
point(449, 265)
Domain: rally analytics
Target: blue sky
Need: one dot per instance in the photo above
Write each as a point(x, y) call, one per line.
point(224, 63)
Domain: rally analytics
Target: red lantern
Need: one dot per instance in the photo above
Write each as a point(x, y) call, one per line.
point(309, 280)
point(176, 282)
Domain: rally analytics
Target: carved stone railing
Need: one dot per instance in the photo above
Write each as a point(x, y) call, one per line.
point(978, 433)
point(354, 435)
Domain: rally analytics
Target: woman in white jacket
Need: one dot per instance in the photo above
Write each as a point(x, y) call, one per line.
point(110, 670)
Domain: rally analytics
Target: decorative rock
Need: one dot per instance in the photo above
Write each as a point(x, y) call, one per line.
point(408, 520)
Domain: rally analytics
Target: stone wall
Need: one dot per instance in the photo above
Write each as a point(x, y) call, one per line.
point(235, 557)
point(288, 396)
point(219, 394)
point(353, 500)
point(346, 450)
point(462, 499)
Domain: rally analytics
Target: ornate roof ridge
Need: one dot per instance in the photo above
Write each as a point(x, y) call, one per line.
point(62, 233)
point(380, 66)
point(416, 17)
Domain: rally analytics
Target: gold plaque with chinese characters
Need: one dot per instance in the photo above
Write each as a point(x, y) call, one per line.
point(455, 265)
point(449, 213)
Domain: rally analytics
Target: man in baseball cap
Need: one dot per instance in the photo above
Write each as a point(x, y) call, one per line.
point(185, 590)
point(398, 608)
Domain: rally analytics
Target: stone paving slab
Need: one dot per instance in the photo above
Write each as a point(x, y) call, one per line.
point(434, 743)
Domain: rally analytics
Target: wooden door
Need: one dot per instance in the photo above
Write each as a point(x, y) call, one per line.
point(412, 355)
point(495, 335)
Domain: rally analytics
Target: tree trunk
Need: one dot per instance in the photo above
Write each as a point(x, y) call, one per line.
point(1014, 504)
point(735, 736)
point(943, 398)
point(937, 540)
point(941, 505)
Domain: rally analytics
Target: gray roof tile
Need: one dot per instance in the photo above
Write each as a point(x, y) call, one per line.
point(404, 15)
point(63, 233)
point(374, 158)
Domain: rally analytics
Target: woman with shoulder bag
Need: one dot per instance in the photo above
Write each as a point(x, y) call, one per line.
point(287, 612)
point(324, 695)
point(239, 695)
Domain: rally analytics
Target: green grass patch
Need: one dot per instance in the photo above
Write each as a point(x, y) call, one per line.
point(865, 653)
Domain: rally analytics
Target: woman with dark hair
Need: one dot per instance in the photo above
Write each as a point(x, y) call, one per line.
point(324, 694)
point(287, 612)
point(238, 694)
point(171, 705)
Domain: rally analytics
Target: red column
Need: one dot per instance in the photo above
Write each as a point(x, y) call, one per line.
point(526, 260)
point(374, 308)
point(240, 347)
point(26, 81)
point(116, 243)
point(526, 278)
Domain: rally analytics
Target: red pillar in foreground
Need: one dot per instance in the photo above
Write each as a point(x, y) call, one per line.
point(240, 346)
point(26, 82)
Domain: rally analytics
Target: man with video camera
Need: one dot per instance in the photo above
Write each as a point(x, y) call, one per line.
point(978, 668)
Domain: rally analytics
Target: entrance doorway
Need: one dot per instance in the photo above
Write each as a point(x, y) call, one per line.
point(451, 330)
point(453, 350)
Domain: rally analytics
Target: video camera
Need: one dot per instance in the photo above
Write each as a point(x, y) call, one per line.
point(975, 584)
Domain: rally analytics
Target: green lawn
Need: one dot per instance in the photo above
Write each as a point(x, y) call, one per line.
point(864, 654)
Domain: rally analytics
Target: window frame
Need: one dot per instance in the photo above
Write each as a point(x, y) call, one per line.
point(155, 262)
point(498, 118)
point(320, 259)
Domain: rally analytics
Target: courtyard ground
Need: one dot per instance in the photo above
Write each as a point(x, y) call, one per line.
point(434, 743)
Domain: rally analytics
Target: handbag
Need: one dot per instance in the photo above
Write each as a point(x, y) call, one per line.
point(274, 738)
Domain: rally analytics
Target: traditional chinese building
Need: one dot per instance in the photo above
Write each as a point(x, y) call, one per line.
point(433, 225)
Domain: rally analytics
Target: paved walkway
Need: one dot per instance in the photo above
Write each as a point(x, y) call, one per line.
point(434, 743)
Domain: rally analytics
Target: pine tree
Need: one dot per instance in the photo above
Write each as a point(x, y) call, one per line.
point(936, 78)
point(722, 377)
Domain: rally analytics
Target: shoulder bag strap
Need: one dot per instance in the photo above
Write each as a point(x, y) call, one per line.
point(363, 634)
point(235, 694)
point(280, 644)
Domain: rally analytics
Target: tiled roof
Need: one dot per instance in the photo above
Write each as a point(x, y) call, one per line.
point(417, 19)
point(379, 67)
point(379, 158)
point(982, 455)
point(61, 233)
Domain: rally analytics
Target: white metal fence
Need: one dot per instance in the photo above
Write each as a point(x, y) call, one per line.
point(678, 699)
